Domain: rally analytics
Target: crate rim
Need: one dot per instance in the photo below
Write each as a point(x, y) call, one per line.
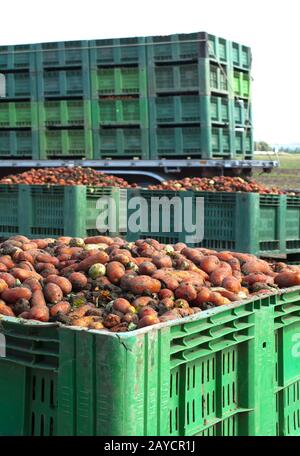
point(137, 332)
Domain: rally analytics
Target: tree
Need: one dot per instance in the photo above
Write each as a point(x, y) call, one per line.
point(262, 146)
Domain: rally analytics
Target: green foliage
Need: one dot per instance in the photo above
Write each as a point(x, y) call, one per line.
point(262, 146)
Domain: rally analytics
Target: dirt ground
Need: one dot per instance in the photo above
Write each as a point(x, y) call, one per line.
point(286, 177)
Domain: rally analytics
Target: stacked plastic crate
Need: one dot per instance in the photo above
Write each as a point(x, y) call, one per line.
point(18, 109)
point(241, 67)
point(199, 89)
point(63, 86)
point(119, 98)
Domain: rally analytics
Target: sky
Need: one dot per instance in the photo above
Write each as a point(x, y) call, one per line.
point(270, 27)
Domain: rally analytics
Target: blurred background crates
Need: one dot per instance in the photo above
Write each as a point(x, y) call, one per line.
point(186, 95)
point(243, 222)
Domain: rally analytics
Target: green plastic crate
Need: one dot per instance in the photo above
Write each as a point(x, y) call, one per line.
point(119, 81)
point(241, 56)
point(293, 224)
point(218, 49)
point(21, 85)
point(65, 143)
point(221, 142)
point(228, 371)
point(120, 143)
point(177, 47)
point(18, 114)
point(18, 57)
point(242, 112)
point(181, 109)
point(62, 54)
point(117, 51)
point(9, 223)
point(19, 143)
point(176, 78)
point(201, 141)
point(73, 82)
point(286, 323)
point(241, 84)
point(219, 110)
point(51, 211)
point(218, 78)
point(244, 144)
point(176, 142)
point(63, 113)
point(175, 109)
point(126, 110)
point(244, 222)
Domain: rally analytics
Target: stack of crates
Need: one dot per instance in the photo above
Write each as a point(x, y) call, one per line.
point(241, 65)
point(18, 109)
point(63, 86)
point(119, 98)
point(199, 97)
point(176, 65)
point(182, 95)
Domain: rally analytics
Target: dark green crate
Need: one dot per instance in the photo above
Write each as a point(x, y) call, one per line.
point(175, 109)
point(188, 109)
point(51, 211)
point(228, 371)
point(241, 56)
point(293, 224)
point(244, 144)
point(242, 112)
point(65, 143)
point(120, 143)
point(124, 110)
point(73, 82)
point(200, 141)
point(218, 78)
point(63, 113)
point(62, 54)
point(244, 222)
point(18, 57)
point(177, 47)
point(118, 51)
point(19, 144)
point(219, 49)
point(219, 110)
point(175, 78)
point(176, 141)
point(119, 81)
point(21, 85)
point(9, 221)
point(221, 142)
point(229, 52)
point(18, 114)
